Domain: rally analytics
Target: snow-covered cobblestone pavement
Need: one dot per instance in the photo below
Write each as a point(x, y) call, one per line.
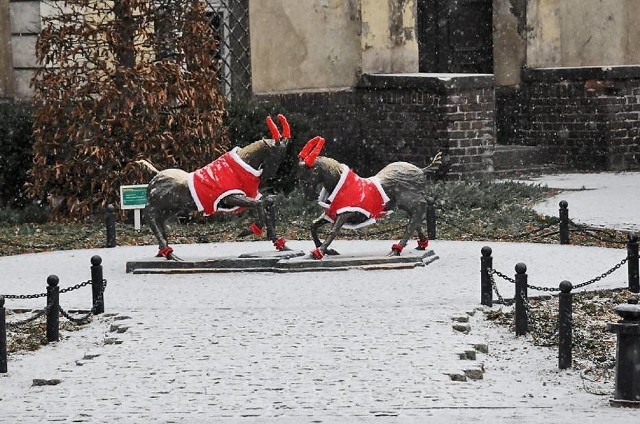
point(344, 347)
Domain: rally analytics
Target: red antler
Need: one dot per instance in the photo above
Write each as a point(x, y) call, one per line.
point(275, 134)
point(286, 129)
point(311, 150)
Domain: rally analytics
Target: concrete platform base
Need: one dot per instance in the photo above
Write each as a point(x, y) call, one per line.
point(290, 261)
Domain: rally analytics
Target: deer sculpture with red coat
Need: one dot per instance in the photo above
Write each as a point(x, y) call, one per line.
point(350, 201)
point(228, 184)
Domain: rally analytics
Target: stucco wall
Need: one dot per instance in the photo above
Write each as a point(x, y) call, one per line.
point(6, 67)
point(304, 45)
point(328, 44)
point(25, 27)
point(509, 40)
point(572, 33)
point(389, 41)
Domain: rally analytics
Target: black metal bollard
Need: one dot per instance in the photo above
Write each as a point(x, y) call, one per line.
point(53, 316)
point(431, 219)
point(632, 263)
point(521, 297)
point(97, 289)
point(3, 337)
point(486, 290)
point(110, 222)
point(564, 222)
point(627, 392)
point(565, 323)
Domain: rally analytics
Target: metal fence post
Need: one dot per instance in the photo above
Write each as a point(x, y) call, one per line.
point(97, 285)
point(632, 263)
point(3, 337)
point(564, 222)
point(565, 311)
point(431, 219)
point(486, 290)
point(53, 315)
point(521, 298)
point(110, 222)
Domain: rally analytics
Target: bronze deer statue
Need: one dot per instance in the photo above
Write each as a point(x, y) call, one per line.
point(350, 201)
point(228, 184)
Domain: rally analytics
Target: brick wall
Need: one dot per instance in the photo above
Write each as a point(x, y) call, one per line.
point(585, 118)
point(405, 118)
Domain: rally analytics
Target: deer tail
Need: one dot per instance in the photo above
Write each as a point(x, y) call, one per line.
point(148, 165)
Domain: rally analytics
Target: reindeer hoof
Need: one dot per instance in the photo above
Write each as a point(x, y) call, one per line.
point(393, 252)
point(316, 254)
point(173, 257)
point(332, 252)
point(279, 244)
point(422, 244)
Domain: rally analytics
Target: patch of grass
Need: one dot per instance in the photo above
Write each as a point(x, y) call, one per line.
point(465, 211)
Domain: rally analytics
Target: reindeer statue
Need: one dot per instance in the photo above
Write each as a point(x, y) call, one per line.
point(228, 184)
point(350, 201)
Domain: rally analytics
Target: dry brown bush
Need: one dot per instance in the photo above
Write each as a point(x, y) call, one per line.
point(120, 81)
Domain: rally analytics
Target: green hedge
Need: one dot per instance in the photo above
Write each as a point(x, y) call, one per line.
point(16, 144)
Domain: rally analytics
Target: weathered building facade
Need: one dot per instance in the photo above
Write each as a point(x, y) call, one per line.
point(403, 79)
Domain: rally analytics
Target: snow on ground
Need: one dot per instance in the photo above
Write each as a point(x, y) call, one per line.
point(607, 199)
point(339, 347)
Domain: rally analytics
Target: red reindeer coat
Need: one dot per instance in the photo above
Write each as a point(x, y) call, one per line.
point(228, 174)
point(354, 194)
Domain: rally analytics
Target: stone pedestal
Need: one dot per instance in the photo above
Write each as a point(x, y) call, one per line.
point(627, 392)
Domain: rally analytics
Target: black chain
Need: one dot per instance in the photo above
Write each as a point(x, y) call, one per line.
point(537, 230)
point(24, 296)
point(77, 286)
point(30, 319)
point(526, 235)
point(492, 271)
point(557, 289)
point(603, 275)
point(36, 296)
point(495, 287)
point(77, 320)
point(100, 297)
point(85, 318)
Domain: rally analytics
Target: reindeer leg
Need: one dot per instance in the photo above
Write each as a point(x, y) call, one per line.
point(315, 226)
point(260, 207)
point(157, 225)
point(423, 239)
point(162, 224)
point(268, 212)
point(417, 216)
point(323, 249)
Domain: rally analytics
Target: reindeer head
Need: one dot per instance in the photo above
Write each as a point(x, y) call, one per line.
point(309, 175)
point(276, 146)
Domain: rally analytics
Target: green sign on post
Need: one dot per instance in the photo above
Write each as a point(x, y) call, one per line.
point(133, 196)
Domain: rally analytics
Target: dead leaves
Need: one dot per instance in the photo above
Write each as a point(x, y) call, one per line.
point(97, 111)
